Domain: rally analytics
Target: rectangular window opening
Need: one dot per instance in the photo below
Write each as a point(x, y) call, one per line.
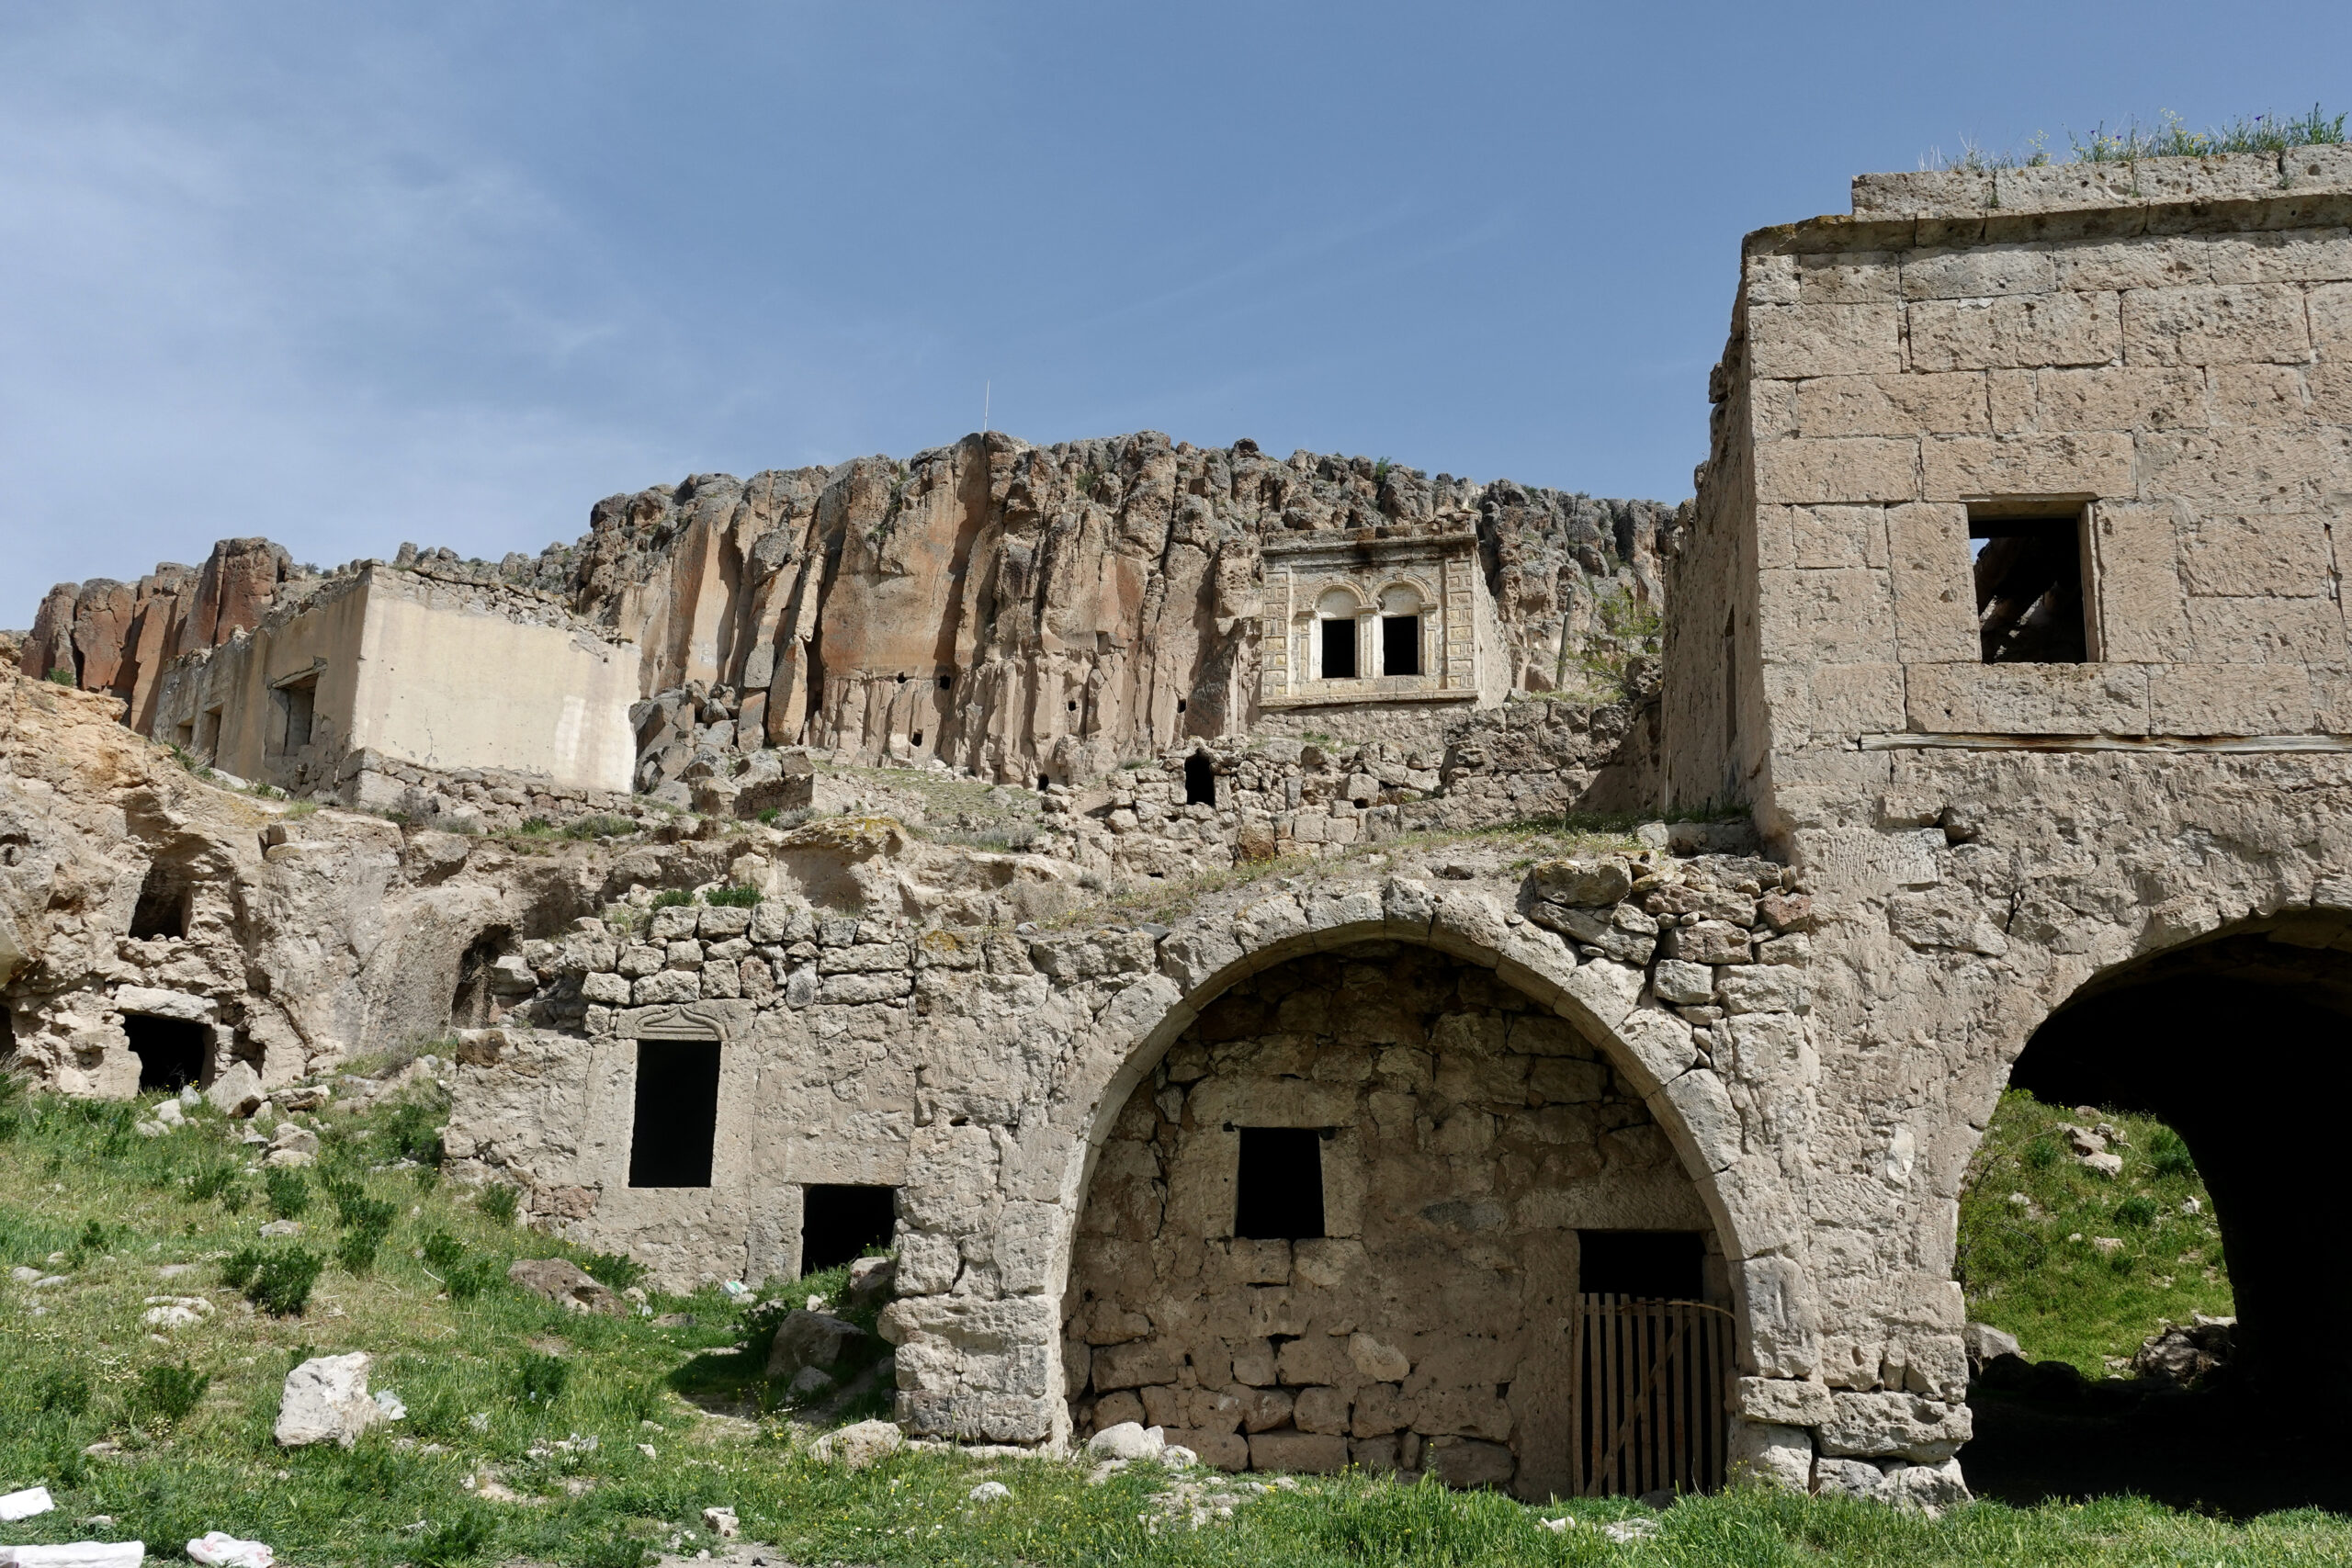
point(1200, 781)
point(677, 1113)
point(171, 1051)
point(300, 702)
point(1649, 1265)
point(1339, 650)
point(1400, 645)
point(208, 731)
point(2028, 579)
point(1278, 1192)
point(842, 1224)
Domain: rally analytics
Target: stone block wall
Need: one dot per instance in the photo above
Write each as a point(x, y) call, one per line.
point(1470, 1137)
point(2152, 351)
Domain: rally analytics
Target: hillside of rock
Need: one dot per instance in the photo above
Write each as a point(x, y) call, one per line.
point(1028, 608)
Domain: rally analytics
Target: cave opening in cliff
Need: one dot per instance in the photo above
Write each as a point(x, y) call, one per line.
point(163, 897)
point(841, 1223)
point(1200, 780)
point(677, 1126)
point(472, 1004)
point(171, 1051)
point(2149, 1039)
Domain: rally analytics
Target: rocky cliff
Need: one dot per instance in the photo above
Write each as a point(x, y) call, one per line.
point(1007, 609)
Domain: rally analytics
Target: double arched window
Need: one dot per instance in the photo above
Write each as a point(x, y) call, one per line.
point(1344, 643)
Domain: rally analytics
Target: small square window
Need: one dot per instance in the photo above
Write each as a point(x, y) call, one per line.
point(2029, 573)
point(840, 1223)
point(1278, 1192)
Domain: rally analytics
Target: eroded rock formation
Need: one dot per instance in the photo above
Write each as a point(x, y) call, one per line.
point(1010, 610)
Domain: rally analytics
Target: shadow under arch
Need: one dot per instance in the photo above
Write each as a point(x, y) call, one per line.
point(2236, 1041)
point(1647, 1047)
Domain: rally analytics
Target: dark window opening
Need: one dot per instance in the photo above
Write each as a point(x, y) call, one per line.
point(1073, 708)
point(1339, 650)
point(1400, 645)
point(918, 738)
point(2029, 573)
point(1731, 682)
point(472, 1006)
point(1278, 1193)
point(171, 1051)
point(162, 909)
point(1180, 704)
point(1043, 783)
point(840, 1224)
point(902, 680)
point(300, 702)
point(677, 1113)
point(947, 682)
point(1652, 1265)
point(1200, 781)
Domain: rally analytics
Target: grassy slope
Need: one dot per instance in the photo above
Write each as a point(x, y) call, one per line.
point(2064, 1299)
point(65, 1164)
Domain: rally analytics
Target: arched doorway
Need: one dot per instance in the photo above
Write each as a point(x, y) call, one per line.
point(2234, 1044)
point(1363, 1211)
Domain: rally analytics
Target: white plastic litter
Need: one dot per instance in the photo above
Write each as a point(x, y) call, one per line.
point(390, 1404)
point(77, 1554)
point(219, 1549)
point(25, 1503)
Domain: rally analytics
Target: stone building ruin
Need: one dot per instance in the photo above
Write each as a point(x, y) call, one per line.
point(1121, 890)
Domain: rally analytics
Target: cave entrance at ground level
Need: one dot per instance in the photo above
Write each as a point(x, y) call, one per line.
point(840, 1223)
point(171, 1051)
point(2167, 1037)
point(1488, 1187)
point(675, 1129)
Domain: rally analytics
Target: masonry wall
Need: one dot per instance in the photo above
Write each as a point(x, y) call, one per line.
point(449, 688)
point(1472, 1137)
point(2161, 356)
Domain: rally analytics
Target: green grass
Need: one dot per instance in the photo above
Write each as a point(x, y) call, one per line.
point(2170, 137)
point(504, 1386)
point(2064, 1299)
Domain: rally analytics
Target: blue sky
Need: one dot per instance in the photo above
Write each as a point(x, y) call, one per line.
point(449, 273)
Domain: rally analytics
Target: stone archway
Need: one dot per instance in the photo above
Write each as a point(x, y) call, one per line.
point(988, 1223)
point(1405, 1297)
point(2232, 1040)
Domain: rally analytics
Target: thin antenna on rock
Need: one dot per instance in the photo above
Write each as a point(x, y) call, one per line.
point(984, 407)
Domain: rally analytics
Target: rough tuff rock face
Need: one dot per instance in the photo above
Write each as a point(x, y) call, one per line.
point(1018, 610)
point(118, 637)
point(1010, 609)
